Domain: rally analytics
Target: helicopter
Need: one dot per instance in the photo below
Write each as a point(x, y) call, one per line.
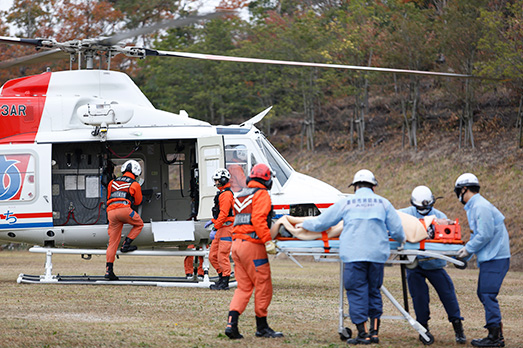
point(65, 135)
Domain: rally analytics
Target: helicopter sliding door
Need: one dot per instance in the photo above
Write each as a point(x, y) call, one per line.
point(211, 157)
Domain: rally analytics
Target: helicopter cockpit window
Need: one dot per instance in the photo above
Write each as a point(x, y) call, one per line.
point(236, 163)
point(281, 168)
point(176, 170)
point(19, 171)
point(118, 167)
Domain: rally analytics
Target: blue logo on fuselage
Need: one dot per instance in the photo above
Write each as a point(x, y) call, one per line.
point(10, 178)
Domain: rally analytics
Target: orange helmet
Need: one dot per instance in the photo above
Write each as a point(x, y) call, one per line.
point(261, 173)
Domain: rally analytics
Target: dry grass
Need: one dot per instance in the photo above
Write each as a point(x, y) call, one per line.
point(304, 307)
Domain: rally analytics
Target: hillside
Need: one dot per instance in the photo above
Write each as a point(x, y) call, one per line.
point(496, 161)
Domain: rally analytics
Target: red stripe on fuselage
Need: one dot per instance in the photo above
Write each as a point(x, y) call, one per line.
point(21, 106)
point(30, 215)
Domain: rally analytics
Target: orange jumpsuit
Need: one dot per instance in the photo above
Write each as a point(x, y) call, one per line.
point(119, 212)
point(251, 263)
point(221, 245)
point(188, 263)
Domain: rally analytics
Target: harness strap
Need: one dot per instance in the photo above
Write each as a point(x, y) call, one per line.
point(325, 239)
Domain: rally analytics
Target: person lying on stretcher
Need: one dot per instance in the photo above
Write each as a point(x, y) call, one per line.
point(415, 231)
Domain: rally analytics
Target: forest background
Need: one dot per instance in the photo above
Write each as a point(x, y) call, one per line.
point(409, 129)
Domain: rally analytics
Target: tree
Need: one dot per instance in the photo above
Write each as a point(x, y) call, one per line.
point(459, 33)
point(411, 46)
point(502, 44)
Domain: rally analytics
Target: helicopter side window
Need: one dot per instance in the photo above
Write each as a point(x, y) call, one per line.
point(19, 171)
point(281, 168)
point(236, 163)
point(176, 170)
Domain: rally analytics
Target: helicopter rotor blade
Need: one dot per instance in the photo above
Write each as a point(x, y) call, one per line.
point(150, 52)
point(172, 23)
point(39, 57)
point(21, 41)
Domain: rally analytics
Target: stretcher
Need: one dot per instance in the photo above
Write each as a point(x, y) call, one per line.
point(324, 247)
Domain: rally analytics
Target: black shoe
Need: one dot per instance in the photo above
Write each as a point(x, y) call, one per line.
point(126, 247)
point(221, 284)
point(217, 285)
point(268, 332)
point(494, 339)
point(232, 326)
point(363, 336)
point(110, 276)
point(232, 332)
point(458, 330)
point(263, 329)
point(374, 328)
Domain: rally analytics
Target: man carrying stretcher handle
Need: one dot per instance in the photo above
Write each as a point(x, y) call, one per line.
point(364, 247)
point(489, 240)
point(422, 201)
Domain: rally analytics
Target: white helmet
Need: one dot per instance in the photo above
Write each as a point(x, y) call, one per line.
point(364, 175)
point(222, 175)
point(422, 199)
point(132, 166)
point(465, 180)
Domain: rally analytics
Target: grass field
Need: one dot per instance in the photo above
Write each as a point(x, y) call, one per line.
point(304, 307)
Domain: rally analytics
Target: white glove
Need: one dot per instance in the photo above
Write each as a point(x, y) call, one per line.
point(299, 225)
point(401, 246)
point(270, 247)
point(463, 253)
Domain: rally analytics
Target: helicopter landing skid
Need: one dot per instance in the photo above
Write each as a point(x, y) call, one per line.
point(49, 278)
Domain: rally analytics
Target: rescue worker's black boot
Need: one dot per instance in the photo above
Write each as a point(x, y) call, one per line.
point(225, 283)
point(374, 328)
point(126, 247)
point(109, 274)
point(232, 326)
point(363, 335)
point(458, 330)
point(494, 339)
point(216, 286)
point(263, 329)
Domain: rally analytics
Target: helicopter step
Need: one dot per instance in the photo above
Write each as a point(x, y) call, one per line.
point(49, 278)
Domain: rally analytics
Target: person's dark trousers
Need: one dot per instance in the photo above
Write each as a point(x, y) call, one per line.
point(491, 275)
point(363, 281)
point(419, 291)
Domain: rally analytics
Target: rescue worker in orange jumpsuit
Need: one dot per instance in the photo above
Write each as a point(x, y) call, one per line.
point(223, 219)
point(123, 192)
point(188, 265)
point(251, 243)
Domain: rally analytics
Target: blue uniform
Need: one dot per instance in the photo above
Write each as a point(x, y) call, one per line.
point(436, 275)
point(490, 242)
point(364, 247)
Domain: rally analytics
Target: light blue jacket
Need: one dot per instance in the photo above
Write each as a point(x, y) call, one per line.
point(366, 219)
point(489, 239)
point(429, 264)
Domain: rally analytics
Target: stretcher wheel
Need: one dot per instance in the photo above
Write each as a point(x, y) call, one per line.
point(345, 334)
point(430, 341)
point(461, 267)
point(413, 264)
